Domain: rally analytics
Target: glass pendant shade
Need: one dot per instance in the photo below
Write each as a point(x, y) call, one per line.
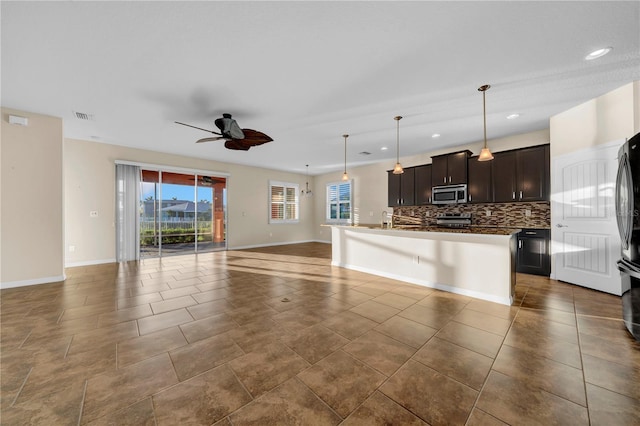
point(345, 176)
point(485, 155)
point(397, 170)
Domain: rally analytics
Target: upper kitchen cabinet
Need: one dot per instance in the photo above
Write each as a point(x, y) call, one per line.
point(401, 188)
point(533, 173)
point(479, 188)
point(423, 184)
point(450, 169)
point(521, 175)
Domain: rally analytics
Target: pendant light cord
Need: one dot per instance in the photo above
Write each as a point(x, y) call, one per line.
point(484, 114)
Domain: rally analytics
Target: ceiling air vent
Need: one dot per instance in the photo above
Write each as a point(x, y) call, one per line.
point(84, 116)
point(364, 153)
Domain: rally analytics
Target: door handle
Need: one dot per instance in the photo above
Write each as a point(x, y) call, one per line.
point(469, 197)
point(521, 195)
point(559, 225)
point(444, 179)
point(513, 195)
point(449, 179)
point(520, 244)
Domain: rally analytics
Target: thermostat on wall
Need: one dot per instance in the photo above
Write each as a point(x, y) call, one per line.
point(20, 121)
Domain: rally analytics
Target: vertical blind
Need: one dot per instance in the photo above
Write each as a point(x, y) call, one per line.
point(127, 212)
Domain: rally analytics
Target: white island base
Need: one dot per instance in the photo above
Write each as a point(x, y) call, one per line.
point(478, 265)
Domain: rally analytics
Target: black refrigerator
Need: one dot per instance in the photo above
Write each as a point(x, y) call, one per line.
point(628, 216)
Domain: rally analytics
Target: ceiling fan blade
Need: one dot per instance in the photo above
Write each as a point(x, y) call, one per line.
point(217, 138)
point(199, 128)
point(236, 145)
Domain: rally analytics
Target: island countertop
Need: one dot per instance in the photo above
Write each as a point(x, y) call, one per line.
point(475, 261)
point(483, 230)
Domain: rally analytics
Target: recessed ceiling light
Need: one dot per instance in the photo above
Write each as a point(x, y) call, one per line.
point(384, 148)
point(435, 135)
point(512, 116)
point(598, 53)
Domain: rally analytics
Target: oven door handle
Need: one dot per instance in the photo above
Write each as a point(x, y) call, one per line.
point(628, 268)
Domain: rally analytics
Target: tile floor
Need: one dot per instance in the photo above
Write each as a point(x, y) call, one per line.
point(276, 336)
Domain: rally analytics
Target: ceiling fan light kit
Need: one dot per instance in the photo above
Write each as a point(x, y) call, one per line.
point(485, 154)
point(397, 169)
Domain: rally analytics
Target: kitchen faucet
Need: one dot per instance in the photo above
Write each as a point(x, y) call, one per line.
point(386, 222)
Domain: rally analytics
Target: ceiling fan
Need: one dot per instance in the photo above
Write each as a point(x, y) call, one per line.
point(234, 137)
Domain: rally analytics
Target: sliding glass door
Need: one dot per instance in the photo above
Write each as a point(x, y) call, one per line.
point(181, 213)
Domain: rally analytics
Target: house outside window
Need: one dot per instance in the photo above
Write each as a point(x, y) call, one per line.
point(339, 203)
point(284, 204)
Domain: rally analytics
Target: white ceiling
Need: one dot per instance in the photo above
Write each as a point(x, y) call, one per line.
point(305, 73)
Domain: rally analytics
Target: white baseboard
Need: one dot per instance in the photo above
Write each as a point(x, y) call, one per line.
point(35, 281)
point(276, 244)
point(424, 283)
point(89, 263)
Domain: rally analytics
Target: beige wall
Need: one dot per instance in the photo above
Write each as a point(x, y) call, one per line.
point(90, 186)
point(607, 118)
point(32, 206)
point(370, 182)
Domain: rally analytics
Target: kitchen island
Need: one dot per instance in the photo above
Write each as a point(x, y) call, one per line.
point(476, 262)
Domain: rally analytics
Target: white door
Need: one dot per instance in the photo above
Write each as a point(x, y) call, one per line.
point(584, 232)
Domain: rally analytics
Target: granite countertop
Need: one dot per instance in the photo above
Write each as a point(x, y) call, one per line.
point(484, 230)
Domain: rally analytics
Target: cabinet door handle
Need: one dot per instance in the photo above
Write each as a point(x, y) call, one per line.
point(469, 197)
point(449, 179)
point(429, 198)
point(521, 195)
point(520, 244)
point(445, 179)
point(513, 196)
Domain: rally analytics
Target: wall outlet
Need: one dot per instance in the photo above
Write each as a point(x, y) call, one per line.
point(487, 212)
point(370, 214)
point(527, 212)
point(72, 249)
point(416, 259)
point(93, 213)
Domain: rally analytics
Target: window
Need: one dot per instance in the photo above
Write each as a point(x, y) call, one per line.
point(283, 202)
point(339, 202)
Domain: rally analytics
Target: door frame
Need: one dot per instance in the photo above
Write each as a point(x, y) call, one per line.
point(199, 172)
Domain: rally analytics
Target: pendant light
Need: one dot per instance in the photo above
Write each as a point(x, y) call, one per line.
point(308, 192)
point(397, 170)
point(485, 154)
point(345, 176)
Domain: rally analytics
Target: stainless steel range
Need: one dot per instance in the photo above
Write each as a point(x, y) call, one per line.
point(453, 220)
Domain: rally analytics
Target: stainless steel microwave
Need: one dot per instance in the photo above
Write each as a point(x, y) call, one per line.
point(449, 194)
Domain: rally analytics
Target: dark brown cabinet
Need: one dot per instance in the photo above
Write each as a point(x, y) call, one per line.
point(450, 169)
point(521, 175)
point(503, 170)
point(401, 188)
point(533, 252)
point(532, 173)
point(479, 188)
point(423, 184)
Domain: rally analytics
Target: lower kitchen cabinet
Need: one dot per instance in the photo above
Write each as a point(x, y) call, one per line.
point(533, 256)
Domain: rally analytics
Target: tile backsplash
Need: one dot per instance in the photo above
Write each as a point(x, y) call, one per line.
point(510, 215)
